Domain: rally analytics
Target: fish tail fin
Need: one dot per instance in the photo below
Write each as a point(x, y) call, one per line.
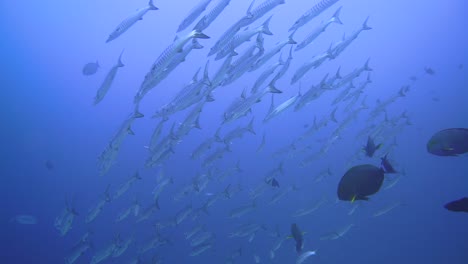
point(273, 89)
point(368, 80)
point(238, 168)
point(281, 168)
point(152, 6)
point(291, 38)
point(266, 27)
point(206, 76)
point(197, 123)
point(120, 63)
point(156, 203)
point(138, 114)
point(204, 208)
point(280, 59)
point(333, 115)
point(217, 136)
point(250, 127)
point(199, 34)
point(365, 26)
point(336, 16)
point(366, 66)
point(226, 192)
point(196, 44)
point(249, 10)
point(137, 175)
point(210, 98)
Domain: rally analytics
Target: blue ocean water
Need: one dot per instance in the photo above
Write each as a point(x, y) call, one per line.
point(48, 115)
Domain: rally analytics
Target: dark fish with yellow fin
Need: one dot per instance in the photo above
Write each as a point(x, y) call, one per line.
point(296, 234)
point(359, 182)
point(449, 142)
point(460, 205)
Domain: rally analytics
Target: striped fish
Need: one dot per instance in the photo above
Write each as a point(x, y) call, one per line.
point(312, 13)
point(130, 20)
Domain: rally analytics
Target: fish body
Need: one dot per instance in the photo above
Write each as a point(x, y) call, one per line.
point(238, 132)
point(242, 37)
point(130, 21)
point(460, 205)
point(126, 186)
point(201, 238)
point(312, 13)
point(77, 251)
point(314, 63)
point(161, 64)
point(282, 107)
point(342, 45)
point(104, 254)
point(197, 250)
point(273, 51)
point(449, 142)
point(205, 146)
point(262, 144)
point(264, 75)
point(206, 20)
point(319, 30)
point(262, 9)
point(245, 65)
point(313, 93)
point(359, 182)
point(242, 210)
point(122, 247)
point(24, 219)
point(305, 256)
point(90, 68)
point(284, 68)
point(193, 14)
point(107, 83)
point(296, 234)
point(386, 209)
point(243, 105)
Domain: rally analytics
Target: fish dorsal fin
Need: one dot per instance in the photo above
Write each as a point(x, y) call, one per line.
point(249, 10)
point(243, 94)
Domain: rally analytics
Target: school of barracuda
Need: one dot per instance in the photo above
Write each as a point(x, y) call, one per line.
point(197, 202)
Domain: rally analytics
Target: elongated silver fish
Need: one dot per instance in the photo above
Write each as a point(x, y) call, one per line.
point(107, 83)
point(282, 107)
point(319, 30)
point(130, 21)
point(242, 106)
point(193, 14)
point(261, 10)
point(275, 50)
point(242, 37)
point(342, 45)
point(314, 63)
point(312, 13)
point(285, 67)
point(206, 20)
point(161, 64)
point(265, 74)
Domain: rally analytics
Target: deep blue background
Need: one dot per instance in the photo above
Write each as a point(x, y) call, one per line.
point(47, 114)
